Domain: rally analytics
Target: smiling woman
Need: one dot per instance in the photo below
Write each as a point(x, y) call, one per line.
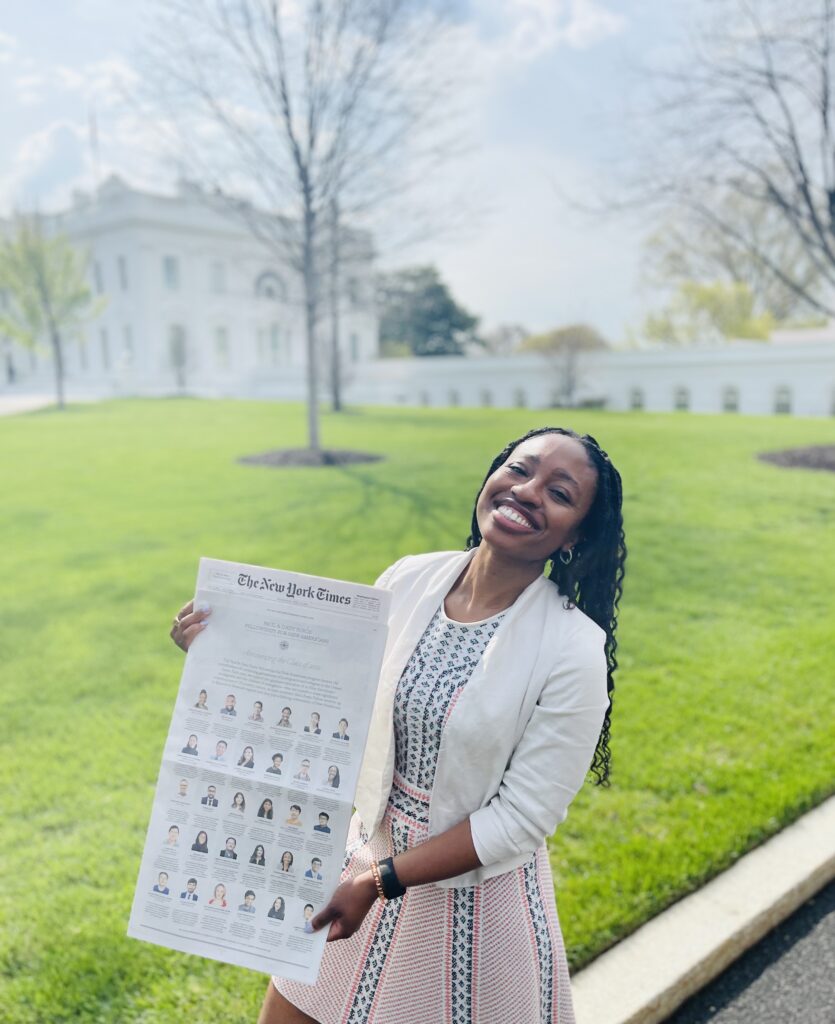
point(493, 704)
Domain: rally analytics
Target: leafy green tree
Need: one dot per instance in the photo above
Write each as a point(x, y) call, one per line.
point(712, 311)
point(47, 295)
point(562, 348)
point(417, 309)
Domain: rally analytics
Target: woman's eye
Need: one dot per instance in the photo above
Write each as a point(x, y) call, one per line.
point(559, 495)
point(518, 469)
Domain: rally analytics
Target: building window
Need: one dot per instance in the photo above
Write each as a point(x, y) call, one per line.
point(171, 273)
point(105, 349)
point(636, 399)
point(783, 399)
point(275, 345)
point(730, 398)
point(177, 352)
point(127, 346)
point(486, 397)
point(98, 280)
point(681, 399)
point(270, 286)
point(82, 352)
point(355, 348)
point(454, 398)
point(122, 266)
point(217, 278)
point(520, 399)
point(221, 348)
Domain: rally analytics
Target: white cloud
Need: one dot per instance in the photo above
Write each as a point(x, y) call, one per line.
point(8, 48)
point(46, 163)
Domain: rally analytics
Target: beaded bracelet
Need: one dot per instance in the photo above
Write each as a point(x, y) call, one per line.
point(378, 882)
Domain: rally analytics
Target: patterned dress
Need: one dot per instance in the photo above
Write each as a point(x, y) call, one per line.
point(484, 954)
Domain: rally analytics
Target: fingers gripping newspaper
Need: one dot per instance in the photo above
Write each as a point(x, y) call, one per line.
point(255, 790)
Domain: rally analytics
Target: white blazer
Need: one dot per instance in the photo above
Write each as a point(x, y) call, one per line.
point(519, 741)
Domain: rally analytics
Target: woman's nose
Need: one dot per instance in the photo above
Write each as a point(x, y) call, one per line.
point(525, 492)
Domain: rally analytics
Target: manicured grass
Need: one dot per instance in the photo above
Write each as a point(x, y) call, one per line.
point(722, 725)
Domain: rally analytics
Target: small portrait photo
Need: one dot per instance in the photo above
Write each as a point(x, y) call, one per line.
point(257, 714)
point(258, 857)
point(173, 837)
point(247, 758)
point(266, 809)
point(182, 789)
point(341, 730)
point(303, 774)
point(276, 911)
point(161, 886)
point(275, 767)
point(210, 799)
point(200, 703)
point(219, 898)
point(286, 863)
point(331, 780)
point(190, 891)
point(229, 706)
point(228, 850)
point(307, 917)
point(323, 826)
point(315, 870)
point(238, 803)
point(284, 722)
point(313, 724)
point(201, 843)
point(191, 746)
point(248, 905)
point(295, 816)
point(220, 752)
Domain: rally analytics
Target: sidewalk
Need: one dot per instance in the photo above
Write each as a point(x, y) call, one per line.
point(12, 404)
point(644, 978)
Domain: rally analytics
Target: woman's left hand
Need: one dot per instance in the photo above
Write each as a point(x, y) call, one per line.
point(348, 907)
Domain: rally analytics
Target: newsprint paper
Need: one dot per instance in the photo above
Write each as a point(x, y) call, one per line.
point(255, 791)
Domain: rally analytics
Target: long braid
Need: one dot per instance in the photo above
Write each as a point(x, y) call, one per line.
point(593, 579)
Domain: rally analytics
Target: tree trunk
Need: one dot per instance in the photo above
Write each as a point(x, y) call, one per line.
point(310, 303)
point(336, 382)
point(58, 359)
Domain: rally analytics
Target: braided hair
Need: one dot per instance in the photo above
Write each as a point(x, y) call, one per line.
point(593, 579)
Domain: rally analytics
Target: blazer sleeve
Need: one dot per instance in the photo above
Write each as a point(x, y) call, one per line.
point(550, 761)
point(385, 577)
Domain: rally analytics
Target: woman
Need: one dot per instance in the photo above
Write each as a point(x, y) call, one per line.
point(258, 857)
point(313, 726)
point(201, 704)
point(201, 843)
point(191, 746)
point(333, 777)
point(286, 862)
point(239, 803)
point(219, 898)
point(276, 911)
point(247, 758)
point(467, 819)
point(266, 809)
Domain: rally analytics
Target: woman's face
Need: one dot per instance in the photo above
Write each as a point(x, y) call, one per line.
point(239, 799)
point(286, 860)
point(535, 503)
point(220, 892)
point(247, 753)
point(192, 741)
point(202, 838)
point(331, 773)
point(279, 903)
point(259, 852)
point(268, 806)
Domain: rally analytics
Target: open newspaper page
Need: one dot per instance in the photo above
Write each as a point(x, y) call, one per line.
point(255, 791)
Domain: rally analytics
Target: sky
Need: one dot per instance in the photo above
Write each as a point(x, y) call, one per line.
point(548, 128)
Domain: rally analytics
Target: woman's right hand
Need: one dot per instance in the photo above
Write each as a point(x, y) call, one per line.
point(188, 623)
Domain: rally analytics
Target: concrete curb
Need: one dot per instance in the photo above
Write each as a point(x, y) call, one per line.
point(645, 977)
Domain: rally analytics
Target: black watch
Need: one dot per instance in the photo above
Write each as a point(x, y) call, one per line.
point(392, 886)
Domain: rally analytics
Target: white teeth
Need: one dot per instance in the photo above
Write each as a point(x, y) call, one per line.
point(513, 516)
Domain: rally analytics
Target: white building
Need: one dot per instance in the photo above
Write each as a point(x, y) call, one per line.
point(191, 301)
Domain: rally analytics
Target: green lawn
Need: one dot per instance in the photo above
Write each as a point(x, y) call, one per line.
point(722, 723)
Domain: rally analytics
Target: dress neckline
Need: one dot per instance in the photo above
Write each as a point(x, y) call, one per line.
point(479, 622)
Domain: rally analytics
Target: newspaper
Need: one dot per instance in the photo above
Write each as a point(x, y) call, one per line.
point(255, 791)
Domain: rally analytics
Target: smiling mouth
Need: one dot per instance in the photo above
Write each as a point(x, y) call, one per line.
point(512, 515)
